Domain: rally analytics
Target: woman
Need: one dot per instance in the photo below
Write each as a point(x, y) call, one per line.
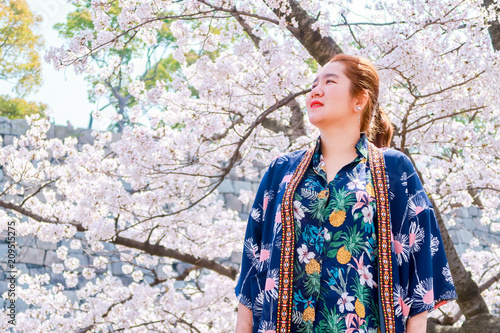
point(323, 252)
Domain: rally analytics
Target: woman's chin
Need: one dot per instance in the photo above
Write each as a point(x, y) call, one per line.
point(317, 120)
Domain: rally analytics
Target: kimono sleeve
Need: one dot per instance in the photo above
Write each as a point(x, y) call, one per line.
point(430, 283)
point(251, 247)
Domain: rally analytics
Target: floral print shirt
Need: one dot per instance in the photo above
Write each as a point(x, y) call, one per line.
point(420, 272)
point(335, 278)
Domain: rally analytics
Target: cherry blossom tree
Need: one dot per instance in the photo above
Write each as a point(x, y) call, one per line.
point(233, 100)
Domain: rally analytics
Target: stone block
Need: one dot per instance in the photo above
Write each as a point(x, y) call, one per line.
point(461, 248)
point(50, 258)
point(226, 186)
point(480, 226)
point(79, 235)
point(126, 186)
point(469, 224)
point(236, 257)
point(232, 202)
point(31, 255)
point(241, 185)
point(453, 235)
point(26, 241)
point(71, 296)
point(84, 136)
point(493, 239)
point(465, 236)
point(8, 140)
point(45, 245)
point(463, 212)
point(179, 284)
point(62, 132)
point(116, 268)
point(4, 286)
point(181, 267)
point(82, 282)
point(57, 278)
point(115, 137)
point(160, 273)
point(39, 271)
point(4, 250)
point(109, 246)
point(22, 268)
point(67, 243)
point(474, 211)
point(459, 222)
point(148, 279)
point(21, 306)
point(51, 133)
point(18, 126)
point(5, 125)
point(84, 259)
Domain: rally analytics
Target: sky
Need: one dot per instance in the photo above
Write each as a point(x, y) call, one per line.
point(63, 90)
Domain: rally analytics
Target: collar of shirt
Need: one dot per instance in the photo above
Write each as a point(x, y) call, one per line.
point(318, 164)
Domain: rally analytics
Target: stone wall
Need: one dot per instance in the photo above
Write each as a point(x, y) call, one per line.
point(467, 225)
point(9, 129)
point(36, 257)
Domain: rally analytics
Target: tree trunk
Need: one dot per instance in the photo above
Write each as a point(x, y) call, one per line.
point(320, 48)
point(297, 127)
point(494, 28)
point(485, 323)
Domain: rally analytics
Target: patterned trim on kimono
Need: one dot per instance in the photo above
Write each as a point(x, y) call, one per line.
point(377, 168)
point(288, 246)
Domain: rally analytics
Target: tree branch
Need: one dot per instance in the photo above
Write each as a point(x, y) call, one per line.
point(319, 47)
point(156, 249)
point(494, 28)
point(443, 117)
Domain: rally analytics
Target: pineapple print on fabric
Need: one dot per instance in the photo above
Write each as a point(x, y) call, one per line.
point(335, 286)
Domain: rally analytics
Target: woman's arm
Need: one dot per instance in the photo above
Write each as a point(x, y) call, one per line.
point(417, 323)
point(244, 319)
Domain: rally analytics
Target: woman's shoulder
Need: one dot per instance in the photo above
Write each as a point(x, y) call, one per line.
point(287, 160)
point(396, 159)
point(281, 169)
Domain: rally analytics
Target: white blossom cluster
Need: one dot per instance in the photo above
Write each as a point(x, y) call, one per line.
point(158, 182)
point(482, 264)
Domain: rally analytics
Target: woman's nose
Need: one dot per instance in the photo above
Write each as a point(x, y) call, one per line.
point(316, 91)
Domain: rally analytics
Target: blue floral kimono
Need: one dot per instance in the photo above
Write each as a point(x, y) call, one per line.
point(421, 278)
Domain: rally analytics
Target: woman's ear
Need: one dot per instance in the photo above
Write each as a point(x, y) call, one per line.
point(361, 100)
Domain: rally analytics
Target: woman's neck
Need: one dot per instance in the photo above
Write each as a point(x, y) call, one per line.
point(337, 142)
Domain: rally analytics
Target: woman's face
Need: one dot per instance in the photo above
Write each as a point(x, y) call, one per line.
point(330, 100)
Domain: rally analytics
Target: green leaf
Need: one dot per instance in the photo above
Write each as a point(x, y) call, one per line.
point(332, 253)
point(336, 244)
point(337, 236)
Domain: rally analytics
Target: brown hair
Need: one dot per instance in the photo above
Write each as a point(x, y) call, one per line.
point(363, 76)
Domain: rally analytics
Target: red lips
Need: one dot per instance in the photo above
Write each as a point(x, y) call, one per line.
point(315, 104)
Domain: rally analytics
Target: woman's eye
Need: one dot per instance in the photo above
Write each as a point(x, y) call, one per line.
point(328, 81)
